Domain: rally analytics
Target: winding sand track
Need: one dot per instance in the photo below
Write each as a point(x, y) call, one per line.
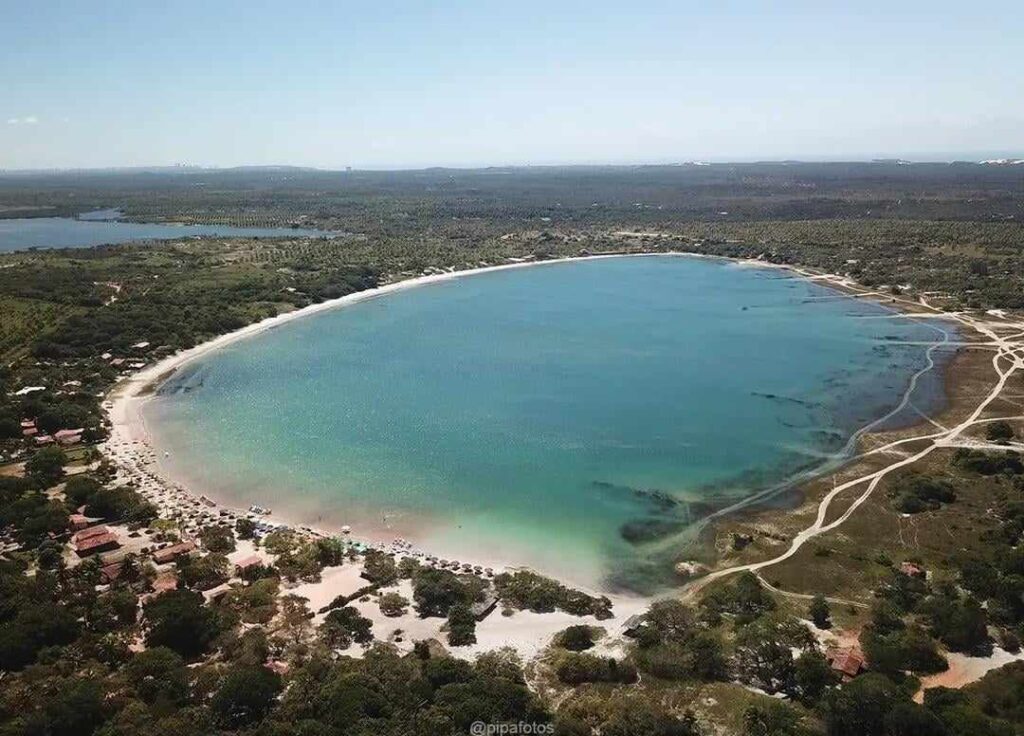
point(1007, 360)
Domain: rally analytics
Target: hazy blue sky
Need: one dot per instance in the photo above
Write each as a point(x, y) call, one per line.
point(406, 84)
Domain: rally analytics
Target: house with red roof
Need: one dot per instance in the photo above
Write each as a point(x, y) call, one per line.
point(90, 532)
point(846, 662)
point(92, 544)
point(244, 564)
point(110, 573)
point(69, 436)
point(169, 554)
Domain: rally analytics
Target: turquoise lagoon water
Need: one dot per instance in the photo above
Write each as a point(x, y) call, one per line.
point(578, 417)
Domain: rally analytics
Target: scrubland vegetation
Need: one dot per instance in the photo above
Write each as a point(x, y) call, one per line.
point(81, 654)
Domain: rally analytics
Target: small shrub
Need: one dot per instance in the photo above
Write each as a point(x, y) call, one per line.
point(576, 638)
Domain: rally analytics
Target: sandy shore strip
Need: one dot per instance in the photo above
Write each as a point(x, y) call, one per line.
point(524, 631)
point(132, 448)
point(131, 445)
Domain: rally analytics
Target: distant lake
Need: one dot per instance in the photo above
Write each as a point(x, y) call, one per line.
point(579, 417)
point(102, 228)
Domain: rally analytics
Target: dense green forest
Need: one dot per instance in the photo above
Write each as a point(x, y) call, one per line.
point(406, 201)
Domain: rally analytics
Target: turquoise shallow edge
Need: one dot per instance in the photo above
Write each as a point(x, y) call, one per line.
point(571, 417)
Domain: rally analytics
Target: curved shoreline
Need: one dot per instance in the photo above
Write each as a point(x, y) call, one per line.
point(1006, 347)
point(847, 454)
point(136, 384)
point(132, 448)
point(126, 399)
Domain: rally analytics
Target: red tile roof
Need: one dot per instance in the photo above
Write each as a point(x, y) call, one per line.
point(912, 570)
point(90, 532)
point(848, 662)
point(279, 667)
point(110, 573)
point(164, 582)
point(94, 543)
point(248, 562)
point(169, 553)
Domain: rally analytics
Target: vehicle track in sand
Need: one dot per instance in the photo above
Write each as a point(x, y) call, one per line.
point(1008, 358)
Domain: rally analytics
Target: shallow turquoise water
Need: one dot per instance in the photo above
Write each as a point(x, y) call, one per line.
point(527, 415)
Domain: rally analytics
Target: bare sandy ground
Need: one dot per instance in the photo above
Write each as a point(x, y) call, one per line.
point(524, 631)
point(964, 670)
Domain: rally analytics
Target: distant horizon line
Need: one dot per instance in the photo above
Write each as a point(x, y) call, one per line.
point(995, 160)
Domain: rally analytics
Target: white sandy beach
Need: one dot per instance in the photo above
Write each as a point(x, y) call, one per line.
point(131, 447)
point(526, 632)
point(131, 443)
point(130, 435)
